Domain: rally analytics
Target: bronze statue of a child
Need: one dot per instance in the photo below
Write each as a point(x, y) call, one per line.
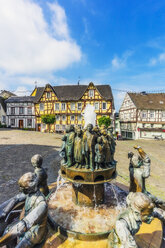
point(41, 174)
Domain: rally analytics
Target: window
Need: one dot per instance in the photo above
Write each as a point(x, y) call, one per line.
point(72, 117)
point(143, 125)
point(57, 106)
point(29, 122)
point(163, 125)
point(152, 114)
point(48, 94)
point(63, 106)
point(12, 110)
point(72, 106)
point(63, 127)
point(163, 114)
point(79, 105)
point(96, 106)
point(91, 93)
point(79, 117)
point(29, 110)
point(152, 125)
point(12, 122)
point(57, 127)
point(21, 110)
point(41, 106)
point(144, 114)
point(104, 106)
point(3, 118)
point(63, 117)
point(57, 117)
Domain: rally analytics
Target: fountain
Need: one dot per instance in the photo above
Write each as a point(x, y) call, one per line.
point(84, 203)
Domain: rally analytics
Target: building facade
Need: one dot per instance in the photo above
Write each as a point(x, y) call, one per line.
point(142, 115)
point(68, 102)
point(2, 111)
point(20, 112)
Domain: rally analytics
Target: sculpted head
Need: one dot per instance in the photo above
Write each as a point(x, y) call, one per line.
point(136, 160)
point(142, 204)
point(36, 160)
point(28, 183)
point(89, 127)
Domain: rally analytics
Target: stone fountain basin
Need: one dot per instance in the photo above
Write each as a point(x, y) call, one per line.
point(86, 176)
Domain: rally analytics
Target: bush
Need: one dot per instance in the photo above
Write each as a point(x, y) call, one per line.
point(104, 121)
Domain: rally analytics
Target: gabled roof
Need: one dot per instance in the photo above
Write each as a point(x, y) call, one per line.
point(153, 101)
point(20, 99)
point(2, 102)
point(6, 94)
point(75, 92)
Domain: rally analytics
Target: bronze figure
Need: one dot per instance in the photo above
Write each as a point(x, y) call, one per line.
point(70, 136)
point(78, 156)
point(41, 174)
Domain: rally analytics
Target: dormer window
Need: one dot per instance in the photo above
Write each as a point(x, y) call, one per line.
point(91, 93)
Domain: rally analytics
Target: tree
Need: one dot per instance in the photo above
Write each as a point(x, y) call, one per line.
point(104, 121)
point(48, 119)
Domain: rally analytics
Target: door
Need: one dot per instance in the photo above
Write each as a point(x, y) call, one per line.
point(39, 127)
point(20, 123)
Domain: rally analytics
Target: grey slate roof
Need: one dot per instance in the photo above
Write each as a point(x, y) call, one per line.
point(20, 99)
point(152, 101)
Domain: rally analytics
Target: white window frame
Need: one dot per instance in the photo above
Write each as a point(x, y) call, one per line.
point(3, 118)
point(57, 108)
point(63, 106)
point(41, 106)
point(12, 120)
point(79, 106)
point(13, 112)
point(72, 106)
point(21, 110)
point(163, 114)
point(48, 95)
point(96, 104)
point(57, 117)
point(63, 117)
point(30, 122)
point(63, 127)
point(29, 110)
point(105, 105)
point(144, 114)
point(57, 127)
point(72, 117)
point(152, 114)
point(91, 93)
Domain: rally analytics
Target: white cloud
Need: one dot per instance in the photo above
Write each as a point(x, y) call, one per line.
point(118, 63)
point(27, 45)
point(158, 60)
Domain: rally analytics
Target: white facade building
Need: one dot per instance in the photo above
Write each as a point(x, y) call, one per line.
point(20, 112)
point(142, 115)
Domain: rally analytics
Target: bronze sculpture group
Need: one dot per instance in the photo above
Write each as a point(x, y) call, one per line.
point(91, 148)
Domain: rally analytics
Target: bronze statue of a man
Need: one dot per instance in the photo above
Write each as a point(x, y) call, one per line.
point(70, 137)
point(139, 168)
point(108, 155)
point(89, 147)
point(78, 156)
point(140, 209)
point(41, 174)
point(112, 143)
point(32, 229)
point(99, 153)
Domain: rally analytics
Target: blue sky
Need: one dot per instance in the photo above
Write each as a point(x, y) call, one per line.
point(116, 42)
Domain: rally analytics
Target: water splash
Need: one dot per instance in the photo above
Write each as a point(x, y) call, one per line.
point(89, 115)
point(60, 183)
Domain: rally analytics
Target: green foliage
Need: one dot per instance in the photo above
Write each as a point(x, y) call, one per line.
point(48, 119)
point(104, 121)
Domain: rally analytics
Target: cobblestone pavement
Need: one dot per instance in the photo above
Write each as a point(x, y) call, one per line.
point(17, 147)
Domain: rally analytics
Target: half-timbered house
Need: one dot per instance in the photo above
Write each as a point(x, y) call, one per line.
point(68, 102)
point(142, 115)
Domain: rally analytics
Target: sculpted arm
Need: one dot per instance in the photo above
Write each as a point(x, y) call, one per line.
point(126, 238)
